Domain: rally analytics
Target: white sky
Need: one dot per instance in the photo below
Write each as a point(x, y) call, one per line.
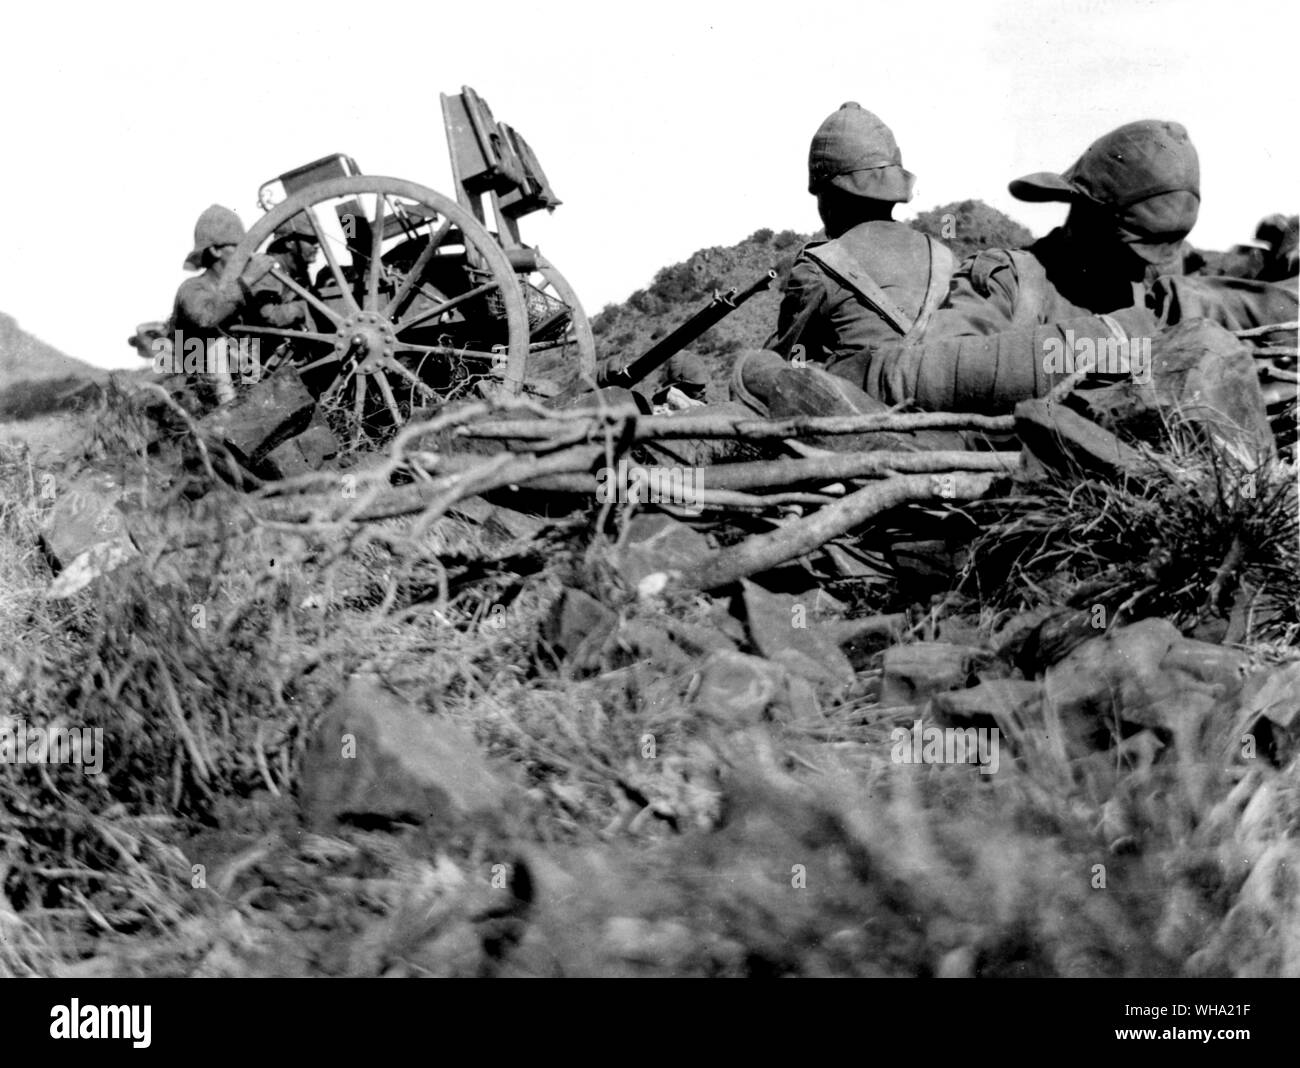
point(664, 127)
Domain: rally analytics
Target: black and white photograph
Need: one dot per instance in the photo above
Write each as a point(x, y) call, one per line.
point(692, 490)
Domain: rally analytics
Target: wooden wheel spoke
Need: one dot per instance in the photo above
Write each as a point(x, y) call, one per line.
point(358, 407)
point(387, 391)
point(412, 279)
point(447, 350)
point(446, 306)
point(306, 294)
point(332, 260)
point(280, 331)
point(414, 379)
point(376, 264)
point(331, 358)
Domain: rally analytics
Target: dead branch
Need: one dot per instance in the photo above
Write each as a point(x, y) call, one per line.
point(763, 551)
point(708, 425)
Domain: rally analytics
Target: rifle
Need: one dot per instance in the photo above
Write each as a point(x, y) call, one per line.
point(722, 305)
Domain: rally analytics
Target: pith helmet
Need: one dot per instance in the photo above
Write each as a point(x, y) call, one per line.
point(1147, 173)
point(855, 152)
point(217, 226)
point(296, 229)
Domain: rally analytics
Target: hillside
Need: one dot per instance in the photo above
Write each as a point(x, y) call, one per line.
point(35, 377)
point(24, 357)
point(678, 291)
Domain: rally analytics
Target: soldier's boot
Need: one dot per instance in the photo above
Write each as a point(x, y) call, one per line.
point(773, 387)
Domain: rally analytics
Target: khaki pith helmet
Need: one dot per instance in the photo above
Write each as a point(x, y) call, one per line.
point(855, 152)
point(217, 226)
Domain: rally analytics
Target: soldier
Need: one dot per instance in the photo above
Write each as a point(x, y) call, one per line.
point(1110, 272)
point(1278, 235)
point(294, 248)
point(206, 306)
point(871, 279)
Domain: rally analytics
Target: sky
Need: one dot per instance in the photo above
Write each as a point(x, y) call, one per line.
point(664, 127)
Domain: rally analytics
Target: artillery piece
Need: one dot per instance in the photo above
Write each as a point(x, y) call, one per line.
point(411, 299)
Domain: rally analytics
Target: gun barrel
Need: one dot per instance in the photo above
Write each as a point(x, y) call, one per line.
point(722, 305)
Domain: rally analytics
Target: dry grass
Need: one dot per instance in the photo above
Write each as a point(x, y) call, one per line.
point(680, 862)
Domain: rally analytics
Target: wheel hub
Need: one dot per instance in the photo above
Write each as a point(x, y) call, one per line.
point(369, 339)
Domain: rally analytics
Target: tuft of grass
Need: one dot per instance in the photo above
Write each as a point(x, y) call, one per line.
point(1203, 525)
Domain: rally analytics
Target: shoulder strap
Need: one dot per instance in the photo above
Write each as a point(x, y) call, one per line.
point(942, 265)
point(837, 260)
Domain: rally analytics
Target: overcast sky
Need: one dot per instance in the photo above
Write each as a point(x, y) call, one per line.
point(664, 127)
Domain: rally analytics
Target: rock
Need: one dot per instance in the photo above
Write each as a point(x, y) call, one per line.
point(1147, 674)
point(1065, 441)
point(914, 672)
point(85, 533)
point(1034, 640)
point(782, 632)
point(644, 641)
point(276, 409)
point(1004, 701)
point(660, 942)
point(1199, 368)
point(1270, 711)
point(655, 542)
point(578, 626)
point(374, 759)
point(309, 451)
point(738, 689)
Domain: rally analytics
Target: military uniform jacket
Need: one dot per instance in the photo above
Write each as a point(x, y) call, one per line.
point(827, 318)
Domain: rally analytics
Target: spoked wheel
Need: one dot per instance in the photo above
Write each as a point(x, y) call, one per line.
point(396, 298)
point(560, 337)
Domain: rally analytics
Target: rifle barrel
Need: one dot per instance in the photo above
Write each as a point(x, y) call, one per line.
point(722, 305)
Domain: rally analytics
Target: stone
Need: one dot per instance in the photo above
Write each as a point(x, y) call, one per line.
point(578, 626)
point(913, 673)
point(276, 409)
point(1147, 674)
point(654, 542)
point(1039, 638)
point(1270, 711)
point(85, 533)
point(1067, 442)
point(1201, 369)
point(783, 633)
point(739, 689)
point(374, 759)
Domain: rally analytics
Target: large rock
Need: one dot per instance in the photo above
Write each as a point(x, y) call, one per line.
point(374, 760)
point(276, 409)
point(309, 451)
point(85, 532)
point(1147, 674)
point(1199, 369)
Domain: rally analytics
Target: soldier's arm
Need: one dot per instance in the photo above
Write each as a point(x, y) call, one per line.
point(1234, 303)
point(802, 300)
point(990, 372)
